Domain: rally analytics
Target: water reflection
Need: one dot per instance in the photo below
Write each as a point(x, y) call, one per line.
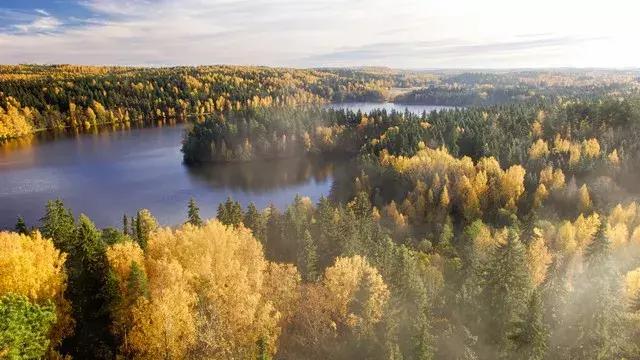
point(264, 176)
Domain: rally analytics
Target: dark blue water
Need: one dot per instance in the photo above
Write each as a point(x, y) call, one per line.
point(108, 173)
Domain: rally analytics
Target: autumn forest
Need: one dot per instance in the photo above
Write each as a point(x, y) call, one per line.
point(505, 225)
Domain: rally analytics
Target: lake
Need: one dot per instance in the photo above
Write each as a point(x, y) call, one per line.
point(108, 173)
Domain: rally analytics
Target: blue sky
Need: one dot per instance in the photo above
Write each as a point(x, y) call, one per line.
point(308, 33)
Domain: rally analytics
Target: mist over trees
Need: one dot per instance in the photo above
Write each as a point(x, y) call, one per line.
point(509, 231)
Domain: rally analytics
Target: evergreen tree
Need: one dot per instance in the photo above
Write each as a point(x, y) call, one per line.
point(230, 212)
point(145, 223)
point(506, 288)
point(308, 258)
point(88, 273)
point(255, 221)
point(193, 213)
point(274, 232)
point(598, 310)
point(531, 334)
point(21, 226)
point(58, 224)
point(125, 224)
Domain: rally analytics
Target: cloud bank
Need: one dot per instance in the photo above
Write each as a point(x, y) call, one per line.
point(402, 33)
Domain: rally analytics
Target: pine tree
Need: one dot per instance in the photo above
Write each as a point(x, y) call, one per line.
point(193, 213)
point(145, 223)
point(531, 334)
point(88, 273)
point(506, 286)
point(58, 224)
point(255, 221)
point(21, 226)
point(600, 331)
point(125, 224)
point(308, 258)
point(230, 212)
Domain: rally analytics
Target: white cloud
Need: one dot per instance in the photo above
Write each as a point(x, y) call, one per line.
point(40, 24)
point(400, 33)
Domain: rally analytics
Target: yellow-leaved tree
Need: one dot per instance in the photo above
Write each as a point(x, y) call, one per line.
point(211, 294)
point(31, 266)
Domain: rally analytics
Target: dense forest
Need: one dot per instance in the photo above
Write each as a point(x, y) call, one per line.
point(509, 231)
point(66, 96)
point(39, 97)
point(486, 89)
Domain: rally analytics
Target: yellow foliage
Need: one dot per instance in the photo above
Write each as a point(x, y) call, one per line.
point(632, 284)
point(512, 185)
point(241, 297)
point(30, 265)
point(15, 121)
point(484, 242)
point(574, 154)
point(591, 148)
point(345, 279)
point(392, 213)
point(584, 198)
point(540, 195)
point(538, 257)
point(618, 235)
point(585, 229)
point(623, 215)
point(538, 149)
point(566, 238)
point(561, 145)
point(613, 158)
point(120, 256)
point(486, 178)
point(164, 326)
point(635, 236)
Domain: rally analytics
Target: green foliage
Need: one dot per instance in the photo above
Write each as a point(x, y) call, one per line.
point(308, 258)
point(193, 213)
point(505, 290)
point(58, 224)
point(24, 327)
point(230, 212)
point(21, 226)
point(531, 335)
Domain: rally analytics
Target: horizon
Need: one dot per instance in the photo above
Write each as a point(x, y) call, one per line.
point(354, 67)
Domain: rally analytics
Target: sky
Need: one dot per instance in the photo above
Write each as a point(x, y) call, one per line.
point(410, 34)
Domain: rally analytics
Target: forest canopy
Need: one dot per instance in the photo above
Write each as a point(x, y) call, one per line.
point(505, 228)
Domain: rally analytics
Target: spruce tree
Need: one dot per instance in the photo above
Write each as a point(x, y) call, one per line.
point(230, 212)
point(308, 258)
point(530, 335)
point(58, 224)
point(598, 310)
point(506, 288)
point(21, 226)
point(88, 292)
point(193, 213)
point(125, 224)
point(255, 221)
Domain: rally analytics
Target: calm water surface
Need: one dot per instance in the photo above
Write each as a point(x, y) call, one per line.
point(108, 173)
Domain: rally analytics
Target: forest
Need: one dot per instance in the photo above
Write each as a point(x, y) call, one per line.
point(502, 229)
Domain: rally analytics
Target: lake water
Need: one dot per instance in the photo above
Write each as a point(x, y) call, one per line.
point(367, 107)
point(107, 173)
